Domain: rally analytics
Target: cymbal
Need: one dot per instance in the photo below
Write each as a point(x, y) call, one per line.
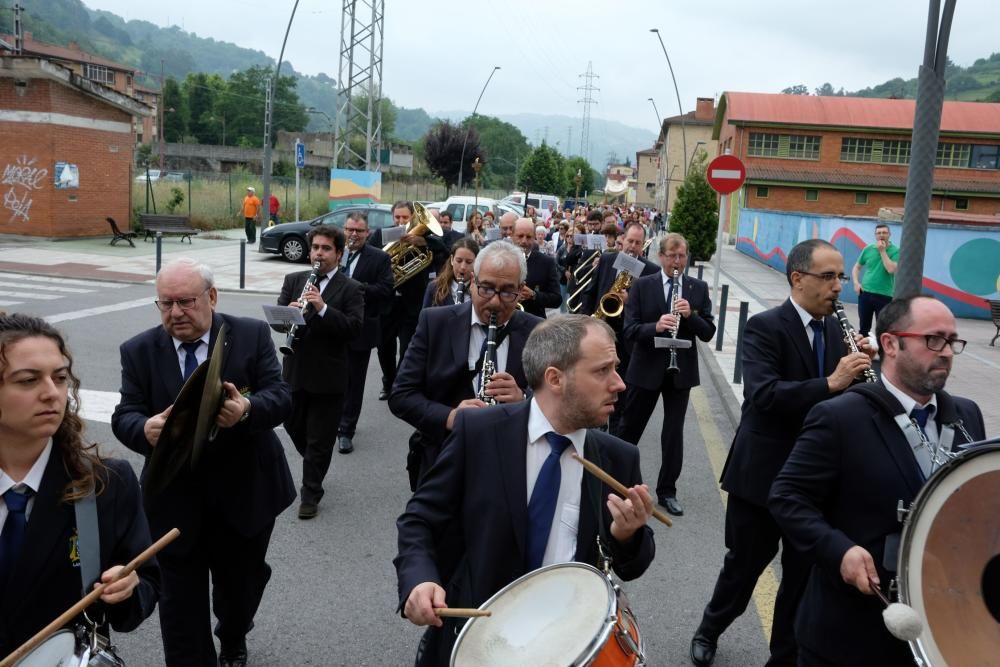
point(212, 397)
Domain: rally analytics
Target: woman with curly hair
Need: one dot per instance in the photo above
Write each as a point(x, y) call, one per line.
point(477, 229)
point(443, 290)
point(46, 467)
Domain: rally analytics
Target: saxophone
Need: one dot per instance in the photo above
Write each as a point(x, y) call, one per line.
point(489, 362)
point(845, 326)
point(675, 299)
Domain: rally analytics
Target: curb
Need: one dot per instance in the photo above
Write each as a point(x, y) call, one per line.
point(730, 401)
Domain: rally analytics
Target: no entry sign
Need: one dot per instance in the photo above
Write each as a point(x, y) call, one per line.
point(726, 174)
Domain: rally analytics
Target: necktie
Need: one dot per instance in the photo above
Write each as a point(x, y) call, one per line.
point(12, 537)
point(922, 451)
point(670, 294)
point(190, 360)
point(350, 262)
point(819, 345)
point(542, 505)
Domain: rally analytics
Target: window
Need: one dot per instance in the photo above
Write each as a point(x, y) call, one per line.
point(762, 192)
point(953, 155)
point(456, 211)
point(812, 195)
point(961, 204)
point(763, 145)
point(985, 157)
point(855, 150)
point(896, 152)
point(98, 73)
point(803, 147)
point(650, 185)
point(860, 197)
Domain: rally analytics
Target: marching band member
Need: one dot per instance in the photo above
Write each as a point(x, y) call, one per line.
point(371, 267)
point(543, 274)
point(655, 309)
point(225, 509)
point(439, 374)
point(317, 371)
point(835, 498)
point(454, 282)
point(548, 511)
point(45, 467)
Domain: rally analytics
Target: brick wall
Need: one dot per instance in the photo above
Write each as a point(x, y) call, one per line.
point(842, 202)
point(31, 204)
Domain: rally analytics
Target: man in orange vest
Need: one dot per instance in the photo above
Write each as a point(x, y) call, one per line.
point(251, 211)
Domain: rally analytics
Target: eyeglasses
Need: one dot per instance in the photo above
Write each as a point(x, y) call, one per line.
point(354, 231)
point(934, 342)
point(827, 277)
point(675, 255)
point(185, 304)
point(488, 292)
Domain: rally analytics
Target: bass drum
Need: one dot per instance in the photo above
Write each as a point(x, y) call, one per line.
point(567, 614)
point(949, 562)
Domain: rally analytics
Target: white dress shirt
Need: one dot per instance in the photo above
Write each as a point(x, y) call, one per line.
point(909, 403)
point(322, 286)
point(476, 337)
point(806, 319)
point(33, 480)
point(664, 278)
point(561, 547)
point(200, 355)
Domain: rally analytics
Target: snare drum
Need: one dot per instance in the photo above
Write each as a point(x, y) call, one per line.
point(69, 648)
point(559, 615)
point(949, 562)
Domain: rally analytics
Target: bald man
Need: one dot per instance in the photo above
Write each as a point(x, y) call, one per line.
point(541, 289)
point(506, 225)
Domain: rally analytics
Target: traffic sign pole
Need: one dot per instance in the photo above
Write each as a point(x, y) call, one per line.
point(300, 160)
point(726, 174)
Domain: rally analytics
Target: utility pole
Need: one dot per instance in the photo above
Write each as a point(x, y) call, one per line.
point(588, 89)
point(359, 78)
point(18, 31)
point(162, 114)
point(569, 140)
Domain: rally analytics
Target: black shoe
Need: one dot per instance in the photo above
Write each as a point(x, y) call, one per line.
point(234, 656)
point(383, 395)
point(308, 510)
point(344, 445)
point(702, 650)
point(673, 507)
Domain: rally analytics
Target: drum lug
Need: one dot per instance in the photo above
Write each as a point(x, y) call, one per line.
point(902, 511)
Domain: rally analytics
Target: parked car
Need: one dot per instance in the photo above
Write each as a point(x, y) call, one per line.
point(177, 176)
point(288, 239)
point(149, 174)
point(460, 207)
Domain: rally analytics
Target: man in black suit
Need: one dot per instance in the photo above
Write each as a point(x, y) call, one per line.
point(317, 371)
point(450, 235)
point(541, 287)
point(835, 498)
point(648, 316)
point(782, 379)
point(369, 266)
point(439, 376)
point(492, 460)
point(399, 317)
point(225, 508)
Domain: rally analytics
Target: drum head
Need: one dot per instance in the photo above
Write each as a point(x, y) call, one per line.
point(553, 617)
point(949, 561)
point(58, 650)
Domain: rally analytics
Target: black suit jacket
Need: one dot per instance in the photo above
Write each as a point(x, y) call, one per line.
point(839, 488)
point(373, 271)
point(319, 365)
point(646, 303)
point(45, 582)
point(780, 386)
point(243, 474)
point(543, 277)
point(434, 375)
point(604, 278)
point(479, 482)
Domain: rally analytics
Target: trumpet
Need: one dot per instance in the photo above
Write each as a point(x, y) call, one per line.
point(845, 326)
point(673, 367)
point(407, 259)
point(311, 281)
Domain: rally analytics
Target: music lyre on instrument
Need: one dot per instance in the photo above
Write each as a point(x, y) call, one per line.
point(619, 488)
point(89, 599)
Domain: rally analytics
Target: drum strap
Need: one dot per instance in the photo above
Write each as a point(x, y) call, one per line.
point(592, 452)
point(88, 540)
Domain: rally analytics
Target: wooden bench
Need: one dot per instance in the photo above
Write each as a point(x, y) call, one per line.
point(168, 225)
point(995, 315)
point(119, 235)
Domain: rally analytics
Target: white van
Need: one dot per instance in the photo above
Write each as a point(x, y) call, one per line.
point(461, 206)
point(545, 205)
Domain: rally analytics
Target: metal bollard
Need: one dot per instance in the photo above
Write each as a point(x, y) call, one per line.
point(701, 271)
point(720, 330)
point(738, 366)
point(243, 263)
point(159, 250)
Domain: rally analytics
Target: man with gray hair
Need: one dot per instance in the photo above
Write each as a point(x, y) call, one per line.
point(440, 374)
point(226, 505)
point(506, 477)
point(541, 288)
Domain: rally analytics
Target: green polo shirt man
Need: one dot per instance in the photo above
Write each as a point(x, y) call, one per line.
point(875, 289)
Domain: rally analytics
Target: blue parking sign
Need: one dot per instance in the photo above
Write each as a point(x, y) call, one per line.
point(300, 155)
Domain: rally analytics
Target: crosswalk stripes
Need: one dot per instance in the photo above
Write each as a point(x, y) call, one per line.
point(16, 288)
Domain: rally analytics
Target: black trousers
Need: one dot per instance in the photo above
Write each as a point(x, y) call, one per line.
point(250, 225)
point(357, 373)
point(869, 305)
point(639, 405)
point(313, 430)
point(752, 539)
point(239, 574)
point(397, 325)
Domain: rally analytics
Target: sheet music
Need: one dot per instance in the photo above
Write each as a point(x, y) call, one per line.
point(626, 262)
point(392, 234)
point(596, 241)
point(581, 240)
point(282, 315)
point(493, 234)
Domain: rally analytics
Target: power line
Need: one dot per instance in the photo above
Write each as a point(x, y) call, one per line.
point(588, 89)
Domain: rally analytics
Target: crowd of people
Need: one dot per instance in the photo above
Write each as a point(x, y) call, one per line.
point(501, 388)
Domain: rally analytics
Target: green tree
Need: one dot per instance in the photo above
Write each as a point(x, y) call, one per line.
point(541, 172)
point(695, 213)
point(202, 92)
point(174, 116)
point(242, 105)
point(799, 89)
point(505, 144)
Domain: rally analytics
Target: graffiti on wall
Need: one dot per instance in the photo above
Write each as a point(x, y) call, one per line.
point(21, 179)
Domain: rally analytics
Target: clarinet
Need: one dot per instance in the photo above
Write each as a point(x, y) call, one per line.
point(845, 326)
point(489, 362)
point(463, 287)
point(673, 367)
point(312, 280)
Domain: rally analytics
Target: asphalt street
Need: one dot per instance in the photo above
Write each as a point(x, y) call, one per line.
point(332, 599)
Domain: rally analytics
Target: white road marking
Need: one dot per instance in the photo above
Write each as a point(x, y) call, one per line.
point(99, 310)
point(98, 406)
point(46, 288)
point(10, 303)
point(31, 295)
point(62, 281)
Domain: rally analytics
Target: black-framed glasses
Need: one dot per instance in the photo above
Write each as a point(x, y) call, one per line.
point(934, 342)
point(828, 277)
point(488, 292)
point(185, 304)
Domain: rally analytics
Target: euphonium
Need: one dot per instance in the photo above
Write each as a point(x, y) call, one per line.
point(311, 281)
point(489, 367)
point(845, 326)
point(673, 367)
point(407, 259)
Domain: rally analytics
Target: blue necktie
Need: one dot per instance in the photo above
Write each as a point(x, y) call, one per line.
point(190, 360)
point(670, 294)
point(542, 505)
point(921, 415)
point(12, 537)
point(819, 345)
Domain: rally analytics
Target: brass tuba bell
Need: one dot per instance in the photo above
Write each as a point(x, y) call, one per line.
point(407, 259)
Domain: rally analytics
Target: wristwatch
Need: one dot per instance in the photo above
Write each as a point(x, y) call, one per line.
point(246, 413)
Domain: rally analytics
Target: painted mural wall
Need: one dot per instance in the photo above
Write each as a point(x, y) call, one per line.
point(961, 264)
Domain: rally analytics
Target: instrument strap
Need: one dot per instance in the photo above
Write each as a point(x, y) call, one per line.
point(88, 540)
point(592, 485)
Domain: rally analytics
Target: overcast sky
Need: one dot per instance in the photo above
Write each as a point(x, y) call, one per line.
point(438, 53)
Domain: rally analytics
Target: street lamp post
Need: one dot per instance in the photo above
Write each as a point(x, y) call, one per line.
point(680, 109)
point(578, 179)
point(666, 196)
point(461, 161)
point(476, 166)
point(694, 151)
point(659, 123)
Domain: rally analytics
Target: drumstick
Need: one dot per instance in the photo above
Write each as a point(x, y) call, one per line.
point(597, 472)
point(89, 599)
point(458, 612)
